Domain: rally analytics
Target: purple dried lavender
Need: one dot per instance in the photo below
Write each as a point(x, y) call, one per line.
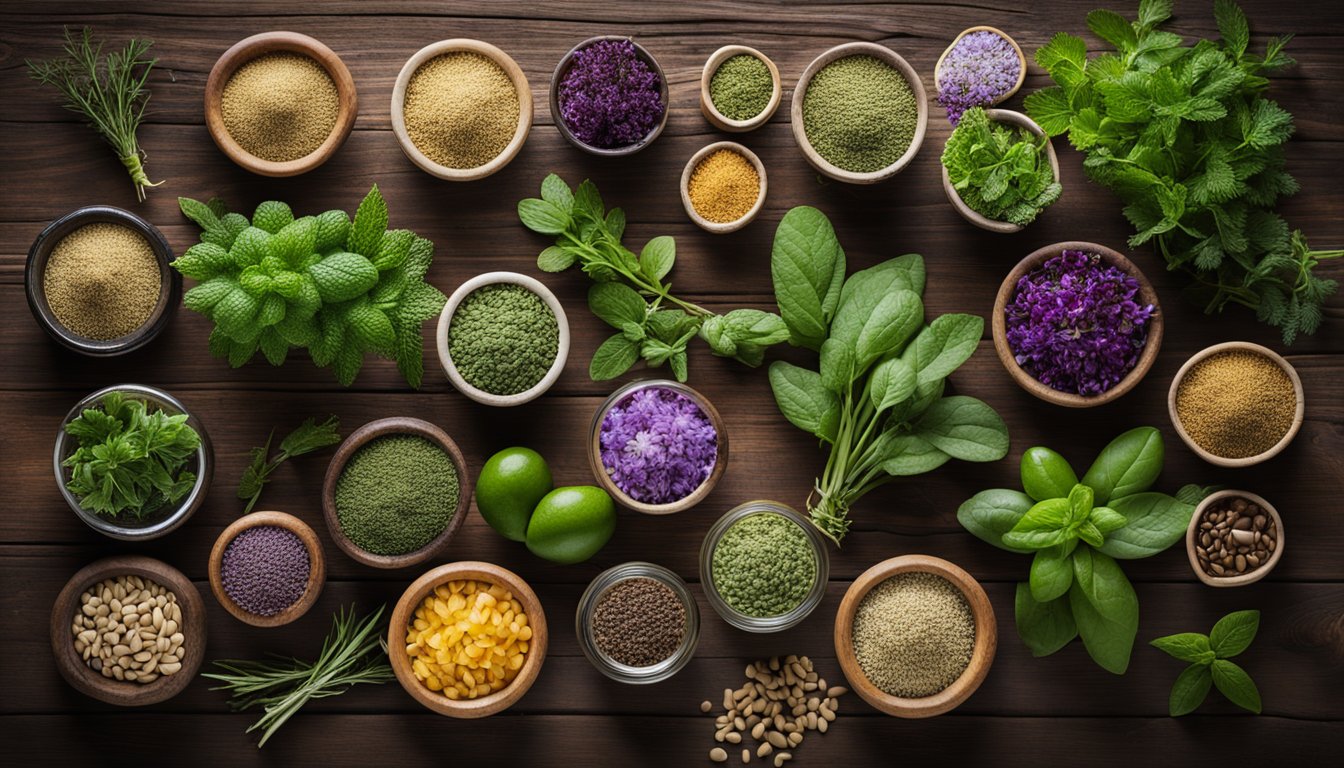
point(1075, 325)
point(265, 569)
point(610, 97)
point(980, 68)
point(658, 445)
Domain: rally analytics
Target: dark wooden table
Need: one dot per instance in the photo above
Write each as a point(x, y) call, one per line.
point(1058, 710)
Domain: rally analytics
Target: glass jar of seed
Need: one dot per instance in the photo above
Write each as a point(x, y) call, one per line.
point(638, 623)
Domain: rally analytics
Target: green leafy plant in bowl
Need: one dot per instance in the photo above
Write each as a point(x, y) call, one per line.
point(1001, 170)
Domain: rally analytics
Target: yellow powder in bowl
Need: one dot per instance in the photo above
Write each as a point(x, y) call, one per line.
point(102, 281)
point(724, 186)
point(461, 109)
point(280, 106)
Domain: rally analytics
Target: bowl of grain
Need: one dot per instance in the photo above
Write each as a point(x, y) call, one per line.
point(267, 568)
point(740, 89)
point(915, 636)
point(98, 281)
point(461, 109)
point(280, 103)
point(723, 187)
point(1235, 538)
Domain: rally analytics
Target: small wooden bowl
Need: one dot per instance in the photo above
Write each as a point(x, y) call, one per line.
point(1025, 380)
point(520, 133)
point(1231, 346)
point(800, 94)
point(563, 67)
point(1246, 578)
point(986, 637)
point(82, 677)
point(317, 567)
point(722, 227)
point(250, 48)
point(717, 118)
point(1003, 227)
point(1021, 61)
point(396, 425)
point(404, 614)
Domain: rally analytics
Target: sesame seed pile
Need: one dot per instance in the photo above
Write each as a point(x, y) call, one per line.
point(280, 106)
point(913, 634)
point(102, 281)
point(461, 109)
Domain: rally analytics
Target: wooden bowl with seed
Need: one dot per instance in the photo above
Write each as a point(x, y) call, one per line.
point(124, 693)
point(1021, 61)
point(722, 121)
point(722, 227)
point(317, 567)
point(1257, 536)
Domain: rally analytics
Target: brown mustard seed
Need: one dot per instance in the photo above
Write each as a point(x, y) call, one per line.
point(280, 106)
point(724, 186)
point(1236, 404)
point(639, 622)
point(461, 109)
point(102, 281)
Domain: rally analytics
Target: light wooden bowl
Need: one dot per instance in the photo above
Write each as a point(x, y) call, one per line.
point(712, 114)
point(1232, 346)
point(82, 677)
point(1025, 380)
point(1003, 227)
point(404, 614)
point(800, 94)
point(396, 425)
point(246, 50)
point(520, 133)
point(1192, 533)
point(1021, 61)
point(986, 637)
point(317, 567)
point(722, 227)
point(563, 67)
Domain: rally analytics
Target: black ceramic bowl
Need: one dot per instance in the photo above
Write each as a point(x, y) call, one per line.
point(563, 67)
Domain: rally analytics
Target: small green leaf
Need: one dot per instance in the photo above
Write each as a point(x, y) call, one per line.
point(965, 428)
point(1043, 627)
point(542, 217)
point(366, 232)
point(903, 455)
point(617, 304)
point(1080, 504)
point(1044, 525)
point(991, 514)
point(1128, 465)
point(890, 382)
point(1106, 520)
point(657, 258)
point(1187, 646)
point(614, 357)
point(200, 213)
point(555, 191)
point(556, 259)
point(807, 266)
point(272, 216)
point(1114, 29)
point(1046, 474)
point(753, 326)
point(943, 346)
point(1153, 522)
point(1234, 632)
point(1190, 690)
point(804, 400)
point(343, 276)
point(1051, 574)
point(1233, 682)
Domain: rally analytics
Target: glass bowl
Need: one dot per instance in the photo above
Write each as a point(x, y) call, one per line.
point(583, 623)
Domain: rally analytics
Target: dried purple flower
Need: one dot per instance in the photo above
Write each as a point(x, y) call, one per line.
point(1074, 323)
point(658, 445)
point(610, 97)
point(980, 68)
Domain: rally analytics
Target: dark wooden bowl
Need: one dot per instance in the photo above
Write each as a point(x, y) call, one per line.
point(1067, 399)
point(397, 425)
point(82, 677)
point(317, 567)
point(404, 613)
point(563, 67)
point(986, 637)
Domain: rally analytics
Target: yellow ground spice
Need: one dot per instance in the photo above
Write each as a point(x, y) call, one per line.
point(1236, 404)
point(102, 281)
point(724, 186)
point(461, 109)
point(468, 639)
point(280, 106)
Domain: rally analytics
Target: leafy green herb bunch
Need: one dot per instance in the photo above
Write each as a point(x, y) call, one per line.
point(1210, 666)
point(1002, 172)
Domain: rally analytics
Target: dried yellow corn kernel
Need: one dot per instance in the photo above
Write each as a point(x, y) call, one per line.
point(468, 639)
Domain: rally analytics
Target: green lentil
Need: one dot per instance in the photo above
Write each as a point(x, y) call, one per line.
point(763, 565)
point(503, 339)
point(396, 494)
point(859, 113)
point(741, 87)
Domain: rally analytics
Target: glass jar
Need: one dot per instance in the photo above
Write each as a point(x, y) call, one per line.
point(583, 623)
point(764, 623)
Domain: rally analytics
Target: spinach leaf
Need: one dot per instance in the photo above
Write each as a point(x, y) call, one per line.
point(1051, 574)
point(1043, 627)
point(1128, 465)
point(1046, 474)
point(804, 400)
point(1153, 522)
point(965, 428)
point(905, 454)
point(943, 346)
point(838, 366)
point(891, 382)
point(990, 514)
point(873, 323)
point(807, 266)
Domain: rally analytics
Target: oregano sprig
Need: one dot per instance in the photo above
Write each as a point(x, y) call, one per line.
point(1209, 666)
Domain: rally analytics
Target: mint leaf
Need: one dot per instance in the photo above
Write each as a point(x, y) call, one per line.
point(555, 191)
point(614, 357)
point(542, 217)
point(343, 276)
point(556, 259)
point(366, 232)
point(658, 257)
point(617, 304)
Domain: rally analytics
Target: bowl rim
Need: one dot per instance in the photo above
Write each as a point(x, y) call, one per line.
point(891, 58)
point(393, 425)
point(975, 217)
point(1299, 411)
point(722, 227)
point(712, 113)
point(1021, 59)
point(81, 677)
point(1008, 288)
point(505, 62)
point(478, 571)
point(982, 656)
point(554, 99)
point(39, 255)
point(317, 566)
point(446, 358)
point(1246, 578)
point(279, 41)
point(592, 595)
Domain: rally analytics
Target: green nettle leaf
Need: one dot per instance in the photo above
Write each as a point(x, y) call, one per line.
point(965, 428)
point(343, 276)
point(658, 257)
point(1190, 690)
point(1105, 609)
point(1051, 574)
point(556, 259)
point(1128, 465)
point(1233, 682)
point(614, 357)
point(804, 400)
point(1114, 29)
point(1044, 525)
point(1049, 107)
point(991, 514)
point(1046, 474)
point(369, 225)
point(617, 304)
point(807, 266)
point(1043, 627)
point(1233, 633)
point(1232, 26)
point(1153, 522)
point(1187, 646)
point(891, 381)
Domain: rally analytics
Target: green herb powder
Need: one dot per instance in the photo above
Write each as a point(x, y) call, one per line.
point(860, 114)
point(763, 565)
point(503, 339)
point(741, 87)
point(396, 494)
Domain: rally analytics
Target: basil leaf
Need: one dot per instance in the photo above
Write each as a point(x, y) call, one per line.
point(1043, 627)
point(1051, 575)
point(804, 400)
point(1234, 632)
point(1189, 690)
point(890, 382)
point(615, 356)
point(904, 454)
point(1044, 525)
point(1236, 685)
point(943, 346)
point(1105, 609)
point(988, 515)
point(617, 304)
point(657, 258)
point(1186, 646)
point(1089, 534)
point(1080, 504)
point(1154, 521)
point(807, 266)
point(1046, 474)
point(1106, 520)
point(1128, 465)
point(965, 428)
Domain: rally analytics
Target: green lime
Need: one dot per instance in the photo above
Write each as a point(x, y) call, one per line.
point(571, 524)
point(508, 489)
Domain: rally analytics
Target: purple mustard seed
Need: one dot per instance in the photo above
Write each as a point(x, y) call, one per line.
point(265, 569)
point(980, 68)
point(610, 97)
point(1075, 324)
point(658, 445)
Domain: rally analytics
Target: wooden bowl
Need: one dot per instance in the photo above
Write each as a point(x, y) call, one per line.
point(82, 677)
point(317, 567)
point(970, 214)
point(563, 67)
point(396, 425)
point(1025, 380)
point(1245, 461)
point(800, 94)
point(722, 227)
point(1021, 61)
point(520, 133)
point(712, 114)
point(1246, 578)
point(404, 613)
point(986, 637)
point(246, 50)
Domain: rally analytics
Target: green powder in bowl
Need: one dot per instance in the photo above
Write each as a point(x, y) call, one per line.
point(396, 494)
point(503, 339)
point(860, 114)
point(764, 565)
point(741, 87)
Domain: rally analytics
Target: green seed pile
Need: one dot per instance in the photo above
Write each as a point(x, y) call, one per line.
point(396, 494)
point(102, 281)
point(860, 114)
point(913, 634)
point(280, 106)
point(741, 87)
point(461, 109)
point(503, 339)
point(763, 565)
